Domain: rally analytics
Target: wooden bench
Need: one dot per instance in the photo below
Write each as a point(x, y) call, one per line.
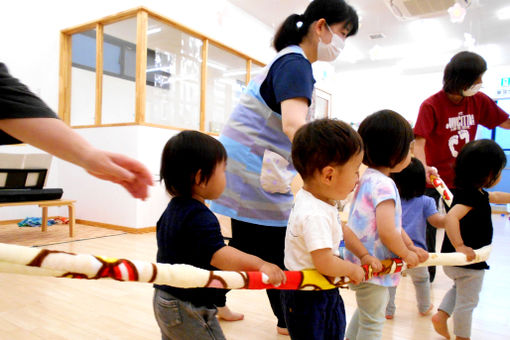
point(44, 205)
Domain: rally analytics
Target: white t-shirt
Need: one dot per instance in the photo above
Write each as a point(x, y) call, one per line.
point(313, 224)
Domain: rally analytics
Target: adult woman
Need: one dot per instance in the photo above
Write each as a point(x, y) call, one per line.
point(448, 120)
point(259, 133)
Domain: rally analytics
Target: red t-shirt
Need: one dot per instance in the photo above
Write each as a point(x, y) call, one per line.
point(447, 127)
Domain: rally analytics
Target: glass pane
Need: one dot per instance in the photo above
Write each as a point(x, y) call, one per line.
point(226, 78)
point(119, 70)
point(83, 78)
point(174, 61)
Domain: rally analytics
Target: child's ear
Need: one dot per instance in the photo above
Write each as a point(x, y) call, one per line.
point(198, 178)
point(327, 174)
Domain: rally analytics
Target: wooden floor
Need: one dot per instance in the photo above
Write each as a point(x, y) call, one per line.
point(50, 308)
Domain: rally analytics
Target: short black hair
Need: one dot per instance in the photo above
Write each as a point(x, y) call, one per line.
point(411, 181)
point(462, 71)
point(479, 164)
point(184, 155)
point(387, 137)
point(333, 11)
point(324, 142)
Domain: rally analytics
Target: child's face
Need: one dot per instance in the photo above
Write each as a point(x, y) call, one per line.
point(346, 177)
point(216, 183)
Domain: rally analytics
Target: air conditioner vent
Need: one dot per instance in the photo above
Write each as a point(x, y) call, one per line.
point(375, 36)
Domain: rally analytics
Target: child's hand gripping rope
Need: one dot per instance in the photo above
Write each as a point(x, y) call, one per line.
point(44, 262)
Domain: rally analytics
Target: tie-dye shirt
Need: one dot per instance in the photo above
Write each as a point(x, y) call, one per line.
point(374, 187)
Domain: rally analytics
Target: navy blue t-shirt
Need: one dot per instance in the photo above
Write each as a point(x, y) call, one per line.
point(16, 101)
point(476, 226)
point(189, 233)
point(289, 77)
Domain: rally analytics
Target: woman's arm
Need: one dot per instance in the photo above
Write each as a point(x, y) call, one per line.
point(55, 137)
point(419, 152)
point(294, 113)
point(390, 237)
point(452, 226)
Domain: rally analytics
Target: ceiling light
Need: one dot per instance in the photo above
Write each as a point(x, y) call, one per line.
point(457, 13)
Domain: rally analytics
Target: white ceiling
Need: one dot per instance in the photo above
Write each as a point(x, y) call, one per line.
point(421, 45)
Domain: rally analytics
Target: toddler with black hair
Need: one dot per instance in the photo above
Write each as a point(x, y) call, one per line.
point(193, 169)
point(417, 209)
point(469, 226)
point(375, 217)
point(327, 154)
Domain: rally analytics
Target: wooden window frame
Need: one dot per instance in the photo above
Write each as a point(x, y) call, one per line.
point(142, 15)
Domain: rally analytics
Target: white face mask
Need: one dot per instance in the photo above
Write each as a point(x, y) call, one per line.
point(329, 52)
point(472, 90)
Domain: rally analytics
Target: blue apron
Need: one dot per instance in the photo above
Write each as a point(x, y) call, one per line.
point(259, 168)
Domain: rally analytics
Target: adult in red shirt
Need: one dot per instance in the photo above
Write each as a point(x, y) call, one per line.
point(448, 120)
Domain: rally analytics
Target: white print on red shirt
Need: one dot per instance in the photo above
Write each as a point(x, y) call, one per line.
point(461, 124)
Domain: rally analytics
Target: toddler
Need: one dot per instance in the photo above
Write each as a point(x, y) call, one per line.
point(417, 209)
point(327, 154)
point(469, 226)
point(193, 169)
point(375, 217)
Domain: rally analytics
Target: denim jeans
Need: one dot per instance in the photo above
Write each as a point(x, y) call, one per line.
point(420, 277)
point(180, 320)
point(462, 298)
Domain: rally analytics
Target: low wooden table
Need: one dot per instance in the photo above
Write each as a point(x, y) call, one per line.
point(44, 205)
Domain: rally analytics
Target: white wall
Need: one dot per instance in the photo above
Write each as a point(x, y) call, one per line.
point(360, 93)
point(30, 49)
point(109, 203)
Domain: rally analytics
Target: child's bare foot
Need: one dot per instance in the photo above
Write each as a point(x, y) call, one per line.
point(428, 311)
point(439, 322)
point(226, 314)
point(282, 331)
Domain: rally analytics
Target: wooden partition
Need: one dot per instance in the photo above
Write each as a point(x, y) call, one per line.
point(185, 79)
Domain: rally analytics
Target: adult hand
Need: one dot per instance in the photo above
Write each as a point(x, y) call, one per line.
point(430, 170)
point(120, 169)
